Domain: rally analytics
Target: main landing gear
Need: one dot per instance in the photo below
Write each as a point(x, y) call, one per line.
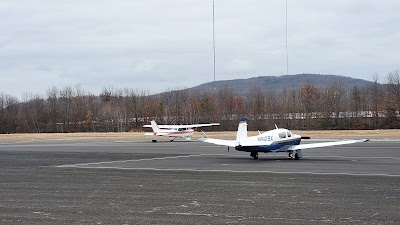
point(295, 155)
point(254, 155)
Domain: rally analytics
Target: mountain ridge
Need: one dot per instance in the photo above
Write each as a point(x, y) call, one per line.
point(279, 83)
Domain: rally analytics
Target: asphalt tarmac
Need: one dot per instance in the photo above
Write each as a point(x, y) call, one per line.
point(122, 181)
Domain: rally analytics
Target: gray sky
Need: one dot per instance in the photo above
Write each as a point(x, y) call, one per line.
point(157, 45)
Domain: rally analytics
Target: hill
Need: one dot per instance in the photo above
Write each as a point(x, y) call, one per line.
point(279, 83)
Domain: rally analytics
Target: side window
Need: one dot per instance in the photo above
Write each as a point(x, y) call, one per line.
point(282, 135)
point(288, 134)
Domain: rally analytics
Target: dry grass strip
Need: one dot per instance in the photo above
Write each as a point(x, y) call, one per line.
point(135, 135)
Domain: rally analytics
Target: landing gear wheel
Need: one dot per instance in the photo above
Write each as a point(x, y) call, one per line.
point(171, 139)
point(254, 155)
point(290, 156)
point(296, 157)
point(154, 140)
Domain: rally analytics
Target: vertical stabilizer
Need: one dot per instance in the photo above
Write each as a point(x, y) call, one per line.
point(155, 127)
point(242, 131)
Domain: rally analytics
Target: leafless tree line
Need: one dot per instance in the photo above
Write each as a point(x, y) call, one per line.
point(71, 109)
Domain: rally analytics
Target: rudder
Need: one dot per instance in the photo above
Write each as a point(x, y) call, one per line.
point(242, 131)
point(154, 126)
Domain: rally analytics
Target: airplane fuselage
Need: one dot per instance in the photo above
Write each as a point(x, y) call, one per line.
point(273, 147)
point(271, 141)
point(277, 140)
point(175, 132)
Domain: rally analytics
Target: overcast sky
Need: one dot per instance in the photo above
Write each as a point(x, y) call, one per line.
point(157, 45)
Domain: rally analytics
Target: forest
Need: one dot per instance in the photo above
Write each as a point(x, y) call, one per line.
point(306, 107)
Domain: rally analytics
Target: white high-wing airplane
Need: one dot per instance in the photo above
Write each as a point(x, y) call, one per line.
point(277, 140)
point(174, 131)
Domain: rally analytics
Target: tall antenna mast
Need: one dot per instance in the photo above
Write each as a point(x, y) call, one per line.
point(213, 20)
point(287, 55)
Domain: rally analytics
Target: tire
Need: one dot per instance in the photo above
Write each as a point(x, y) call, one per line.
point(254, 155)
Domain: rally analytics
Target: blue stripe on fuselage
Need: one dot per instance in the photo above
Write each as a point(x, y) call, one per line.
point(268, 148)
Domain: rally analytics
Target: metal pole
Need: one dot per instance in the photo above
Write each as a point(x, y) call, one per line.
point(287, 55)
point(213, 20)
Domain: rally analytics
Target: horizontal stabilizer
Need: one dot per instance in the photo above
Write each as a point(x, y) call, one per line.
point(229, 143)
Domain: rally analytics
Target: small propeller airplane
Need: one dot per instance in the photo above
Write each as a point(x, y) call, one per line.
point(174, 131)
point(277, 140)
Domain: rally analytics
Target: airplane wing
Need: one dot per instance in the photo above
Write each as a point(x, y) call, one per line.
point(164, 126)
point(229, 143)
point(200, 125)
point(325, 144)
point(184, 126)
point(156, 134)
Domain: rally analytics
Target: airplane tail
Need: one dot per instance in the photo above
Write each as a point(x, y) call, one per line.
point(155, 127)
point(242, 131)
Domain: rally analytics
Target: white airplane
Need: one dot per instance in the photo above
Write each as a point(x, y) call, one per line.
point(174, 131)
point(277, 140)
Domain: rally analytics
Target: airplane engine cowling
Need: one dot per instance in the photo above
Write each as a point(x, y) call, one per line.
point(238, 147)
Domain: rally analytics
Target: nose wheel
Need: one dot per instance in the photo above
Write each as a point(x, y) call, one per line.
point(254, 155)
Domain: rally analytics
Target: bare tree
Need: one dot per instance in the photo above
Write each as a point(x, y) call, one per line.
point(256, 107)
point(52, 100)
point(394, 88)
point(309, 96)
point(392, 99)
point(375, 99)
point(9, 110)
